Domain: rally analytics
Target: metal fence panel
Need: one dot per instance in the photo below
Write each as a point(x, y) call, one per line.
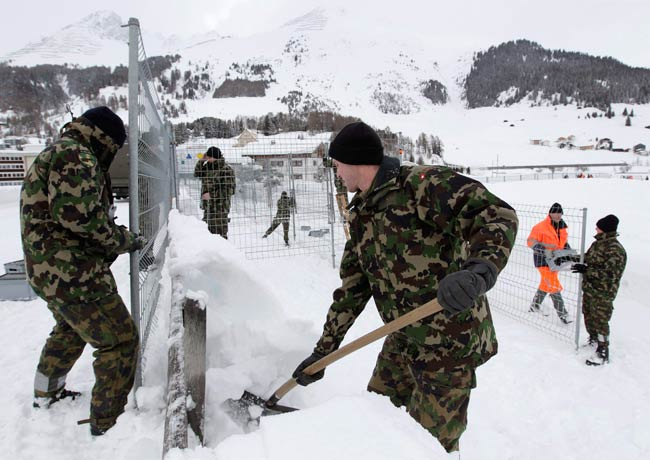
point(518, 282)
point(151, 185)
point(264, 168)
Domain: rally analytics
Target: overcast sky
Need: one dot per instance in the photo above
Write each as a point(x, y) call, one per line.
point(618, 28)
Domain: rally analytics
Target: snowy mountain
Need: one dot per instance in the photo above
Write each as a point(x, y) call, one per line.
point(97, 39)
point(312, 60)
point(341, 59)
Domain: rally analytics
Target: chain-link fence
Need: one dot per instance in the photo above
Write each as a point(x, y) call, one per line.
point(152, 175)
point(520, 282)
point(281, 202)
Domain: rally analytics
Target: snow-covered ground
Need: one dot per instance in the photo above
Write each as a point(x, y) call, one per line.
point(536, 399)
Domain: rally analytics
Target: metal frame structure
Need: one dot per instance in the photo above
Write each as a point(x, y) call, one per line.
point(152, 185)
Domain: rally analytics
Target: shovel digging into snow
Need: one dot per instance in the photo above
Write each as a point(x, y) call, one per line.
point(248, 409)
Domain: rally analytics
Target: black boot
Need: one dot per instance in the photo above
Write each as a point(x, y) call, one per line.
point(600, 356)
point(47, 401)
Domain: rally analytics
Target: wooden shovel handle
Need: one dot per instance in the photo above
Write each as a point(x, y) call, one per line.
point(411, 317)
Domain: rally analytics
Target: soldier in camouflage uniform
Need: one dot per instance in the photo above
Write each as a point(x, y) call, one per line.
point(69, 240)
point(416, 233)
point(285, 205)
point(217, 186)
point(601, 275)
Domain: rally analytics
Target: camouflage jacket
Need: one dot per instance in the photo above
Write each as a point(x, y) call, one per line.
point(605, 259)
point(217, 178)
point(412, 227)
point(68, 238)
point(285, 205)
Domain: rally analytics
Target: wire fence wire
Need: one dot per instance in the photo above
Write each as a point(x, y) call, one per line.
point(283, 201)
point(152, 177)
point(518, 282)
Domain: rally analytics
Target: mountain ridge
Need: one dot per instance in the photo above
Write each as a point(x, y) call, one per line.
point(309, 63)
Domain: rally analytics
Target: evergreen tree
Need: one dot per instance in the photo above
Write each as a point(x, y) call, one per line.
point(628, 121)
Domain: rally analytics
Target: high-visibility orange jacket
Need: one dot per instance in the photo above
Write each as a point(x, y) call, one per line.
point(547, 236)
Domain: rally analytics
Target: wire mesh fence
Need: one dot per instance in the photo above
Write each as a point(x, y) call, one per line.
point(152, 175)
point(519, 283)
point(282, 202)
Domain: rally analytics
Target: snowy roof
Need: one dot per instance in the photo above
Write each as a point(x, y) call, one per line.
point(279, 144)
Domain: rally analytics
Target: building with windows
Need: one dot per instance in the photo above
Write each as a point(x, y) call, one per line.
point(12, 167)
point(15, 162)
point(298, 154)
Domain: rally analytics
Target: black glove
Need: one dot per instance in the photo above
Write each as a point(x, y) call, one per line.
point(139, 243)
point(458, 291)
point(563, 259)
point(304, 379)
point(579, 268)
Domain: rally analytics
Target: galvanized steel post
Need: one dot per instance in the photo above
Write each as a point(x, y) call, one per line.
point(134, 135)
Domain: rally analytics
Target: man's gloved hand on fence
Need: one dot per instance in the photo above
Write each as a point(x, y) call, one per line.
point(579, 268)
point(304, 379)
point(458, 291)
point(138, 243)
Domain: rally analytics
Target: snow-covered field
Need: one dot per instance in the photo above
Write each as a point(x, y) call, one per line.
point(535, 400)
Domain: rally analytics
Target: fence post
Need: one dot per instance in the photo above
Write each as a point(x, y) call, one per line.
point(134, 210)
point(172, 160)
point(582, 259)
point(175, 435)
point(194, 336)
point(330, 209)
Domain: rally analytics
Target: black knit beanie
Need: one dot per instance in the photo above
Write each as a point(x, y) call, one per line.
point(357, 144)
point(214, 152)
point(106, 120)
point(557, 207)
point(608, 223)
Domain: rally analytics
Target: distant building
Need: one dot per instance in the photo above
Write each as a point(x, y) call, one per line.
point(16, 156)
point(605, 144)
point(14, 142)
point(303, 163)
point(13, 284)
point(12, 167)
point(246, 137)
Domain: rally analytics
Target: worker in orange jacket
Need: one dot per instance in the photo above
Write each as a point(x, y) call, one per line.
point(549, 235)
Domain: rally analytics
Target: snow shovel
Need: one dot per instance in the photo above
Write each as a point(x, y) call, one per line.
point(248, 409)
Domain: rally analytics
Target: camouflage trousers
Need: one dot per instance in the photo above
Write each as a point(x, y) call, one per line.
point(285, 227)
point(216, 216)
point(436, 400)
point(597, 313)
point(107, 326)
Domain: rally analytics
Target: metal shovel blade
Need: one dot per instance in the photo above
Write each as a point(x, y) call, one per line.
point(247, 410)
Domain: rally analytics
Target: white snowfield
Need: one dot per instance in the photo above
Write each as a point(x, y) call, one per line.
point(535, 399)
